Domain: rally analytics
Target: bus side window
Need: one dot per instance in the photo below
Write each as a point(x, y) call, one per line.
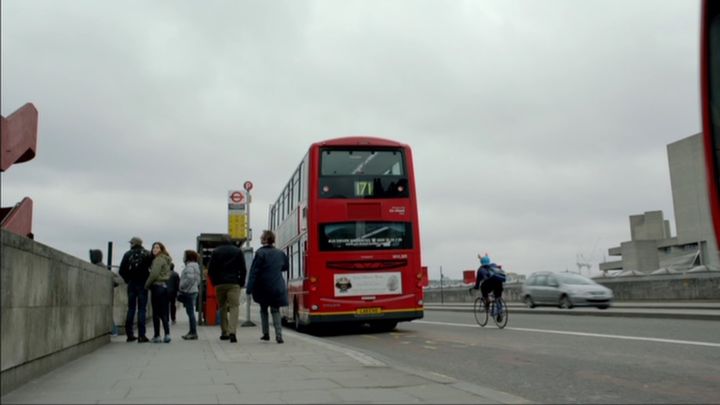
point(291, 249)
point(297, 258)
point(291, 197)
point(298, 181)
point(303, 256)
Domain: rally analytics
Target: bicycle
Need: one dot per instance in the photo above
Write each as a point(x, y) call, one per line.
point(483, 313)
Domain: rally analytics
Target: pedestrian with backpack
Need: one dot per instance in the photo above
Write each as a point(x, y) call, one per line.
point(134, 269)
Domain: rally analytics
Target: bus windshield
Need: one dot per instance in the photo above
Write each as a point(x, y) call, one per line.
point(365, 173)
point(363, 235)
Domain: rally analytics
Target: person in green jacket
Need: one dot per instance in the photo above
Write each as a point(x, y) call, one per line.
point(157, 283)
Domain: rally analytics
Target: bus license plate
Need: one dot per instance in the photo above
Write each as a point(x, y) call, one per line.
point(366, 311)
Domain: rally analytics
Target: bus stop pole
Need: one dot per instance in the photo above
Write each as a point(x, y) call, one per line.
point(442, 300)
point(248, 252)
point(247, 322)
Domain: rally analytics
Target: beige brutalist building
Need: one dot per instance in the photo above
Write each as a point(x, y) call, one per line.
point(651, 247)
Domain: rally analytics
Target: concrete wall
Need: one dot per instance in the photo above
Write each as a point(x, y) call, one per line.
point(55, 308)
point(120, 304)
point(691, 286)
point(688, 181)
point(641, 255)
point(649, 226)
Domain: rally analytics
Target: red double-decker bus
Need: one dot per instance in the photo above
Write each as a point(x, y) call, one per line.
point(710, 102)
point(348, 221)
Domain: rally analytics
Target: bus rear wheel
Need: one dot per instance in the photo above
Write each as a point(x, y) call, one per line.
point(299, 327)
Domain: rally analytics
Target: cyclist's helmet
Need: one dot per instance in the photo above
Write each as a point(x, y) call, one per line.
point(485, 260)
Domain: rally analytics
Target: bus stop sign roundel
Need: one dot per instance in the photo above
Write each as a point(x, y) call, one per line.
point(237, 197)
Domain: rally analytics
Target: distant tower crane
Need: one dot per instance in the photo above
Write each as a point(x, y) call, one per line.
point(581, 263)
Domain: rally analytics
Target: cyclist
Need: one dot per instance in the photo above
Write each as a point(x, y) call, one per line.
point(490, 277)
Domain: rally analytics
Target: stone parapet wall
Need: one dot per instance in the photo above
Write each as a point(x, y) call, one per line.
point(55, 307)
point(679, 287)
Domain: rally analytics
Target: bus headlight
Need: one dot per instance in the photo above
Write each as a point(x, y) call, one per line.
point(314, 307)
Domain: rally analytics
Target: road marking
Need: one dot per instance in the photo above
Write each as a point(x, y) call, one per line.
point(601, 335)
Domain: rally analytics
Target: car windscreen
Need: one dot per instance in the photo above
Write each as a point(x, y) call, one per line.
point(574, 279)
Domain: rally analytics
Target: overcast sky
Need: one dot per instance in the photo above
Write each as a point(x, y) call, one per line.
point(537, 127)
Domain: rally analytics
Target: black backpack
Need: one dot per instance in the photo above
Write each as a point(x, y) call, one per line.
point(137, 261)
point(137, 265)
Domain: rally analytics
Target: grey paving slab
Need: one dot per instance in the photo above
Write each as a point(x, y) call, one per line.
point(251, 398)
point(68, 395)
point(169, 399)
point(375, 395)
point(440, 393)
point(172, 392)
point(310, 397)
point(47, 399)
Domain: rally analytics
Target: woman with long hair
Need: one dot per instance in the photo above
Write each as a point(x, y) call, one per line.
point(157, 282)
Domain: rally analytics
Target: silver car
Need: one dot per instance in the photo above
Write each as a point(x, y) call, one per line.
point(565, 290)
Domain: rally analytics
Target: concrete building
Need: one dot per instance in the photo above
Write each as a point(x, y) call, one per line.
point(651, 246)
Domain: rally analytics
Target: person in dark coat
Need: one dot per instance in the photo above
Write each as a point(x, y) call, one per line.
point(173, 288)
point(266, 284)
point(227, 272)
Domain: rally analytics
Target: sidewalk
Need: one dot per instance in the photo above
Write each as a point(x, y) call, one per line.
point(699, 310)
point(305, 369)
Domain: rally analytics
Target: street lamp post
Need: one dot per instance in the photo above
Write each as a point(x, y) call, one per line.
point(442, 298)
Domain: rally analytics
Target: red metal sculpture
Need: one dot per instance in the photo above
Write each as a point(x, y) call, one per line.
point(18, 137)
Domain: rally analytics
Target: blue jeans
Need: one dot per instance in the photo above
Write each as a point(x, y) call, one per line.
point(137, 300)
point(189, 302)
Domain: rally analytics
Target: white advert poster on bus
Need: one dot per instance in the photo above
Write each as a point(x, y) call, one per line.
point(350, 285)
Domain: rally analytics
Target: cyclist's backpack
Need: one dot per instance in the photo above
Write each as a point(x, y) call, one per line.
point(497, 273)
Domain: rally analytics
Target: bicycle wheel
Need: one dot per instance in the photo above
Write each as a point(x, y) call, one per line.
point(501, 316)
point(481, 314)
